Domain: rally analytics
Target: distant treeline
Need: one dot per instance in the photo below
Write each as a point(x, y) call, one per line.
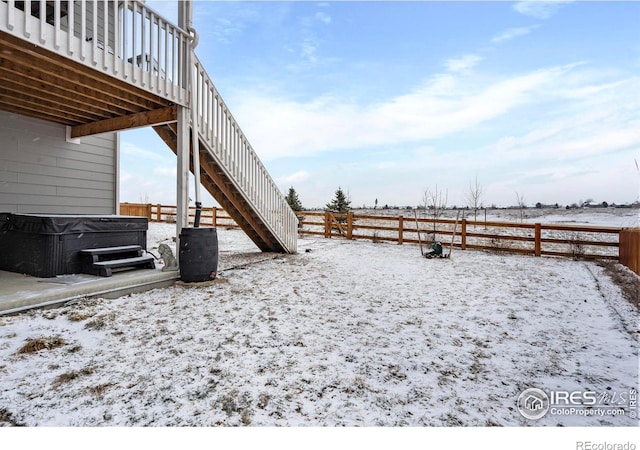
point(495, 207)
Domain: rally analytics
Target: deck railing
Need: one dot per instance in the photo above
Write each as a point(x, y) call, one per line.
point(228, 145)
point(124, 39)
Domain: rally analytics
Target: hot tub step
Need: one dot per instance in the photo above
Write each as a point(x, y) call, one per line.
point(102, 261)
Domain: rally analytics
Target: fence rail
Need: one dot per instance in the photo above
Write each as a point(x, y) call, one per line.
point(537, 239)
point(211, 217)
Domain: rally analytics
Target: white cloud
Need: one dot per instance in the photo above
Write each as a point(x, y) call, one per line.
point(539, 9)
point(323, 17)
point(462, 64)
point(224, 30)
point(294, 178)
point(511, 33)
point(441, 106)
point(166, 171)
point(557, 122)
point(565, 143)
point(130, 149)
point(224, 24)
point(595, 121)
point(308, 50)
point(136, 187)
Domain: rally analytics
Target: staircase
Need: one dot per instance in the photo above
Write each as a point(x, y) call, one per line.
point(233, 174)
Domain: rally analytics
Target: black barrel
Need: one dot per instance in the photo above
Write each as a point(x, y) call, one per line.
point(198, 254)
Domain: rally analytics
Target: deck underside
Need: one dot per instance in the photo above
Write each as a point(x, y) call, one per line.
point(37, 83)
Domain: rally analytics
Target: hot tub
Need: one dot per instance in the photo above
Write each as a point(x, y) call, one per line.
point(49, 245)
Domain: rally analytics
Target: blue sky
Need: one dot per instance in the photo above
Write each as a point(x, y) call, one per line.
point(386, 99)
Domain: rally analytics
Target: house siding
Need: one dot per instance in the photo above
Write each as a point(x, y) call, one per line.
point(77, 22)
point(40, 172)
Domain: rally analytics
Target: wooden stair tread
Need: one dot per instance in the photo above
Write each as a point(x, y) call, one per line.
point(124, 262)
point(111, 250)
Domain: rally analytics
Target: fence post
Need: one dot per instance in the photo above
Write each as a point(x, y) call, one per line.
point(158, 212)
point(538, 243)
point(463, 235)
point(327, 225)
point(400, 229)
point(629, 248)
point(147, 211)
point(214, 218)
point(349, 224)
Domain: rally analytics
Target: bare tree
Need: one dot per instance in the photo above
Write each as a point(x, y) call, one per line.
point(435, 201)
point(474, 197)
point(521, 204)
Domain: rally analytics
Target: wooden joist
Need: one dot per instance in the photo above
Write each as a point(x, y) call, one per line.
point(11, 96)
point(40, 82)
point(37, 83)
point(40, 58)
point(137, 120)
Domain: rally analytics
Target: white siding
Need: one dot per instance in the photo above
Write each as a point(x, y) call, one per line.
point(40, 172)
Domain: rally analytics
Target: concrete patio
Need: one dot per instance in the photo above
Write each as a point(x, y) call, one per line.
point(20, 292)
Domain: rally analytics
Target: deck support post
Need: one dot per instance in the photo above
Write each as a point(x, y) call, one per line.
point(185, 17)
point(182, 194)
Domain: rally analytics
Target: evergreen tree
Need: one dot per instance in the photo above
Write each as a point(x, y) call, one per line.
point(295, 204)
point(293, 200)
point(339, 204)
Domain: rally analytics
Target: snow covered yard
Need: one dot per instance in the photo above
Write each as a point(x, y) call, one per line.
point(346, 333)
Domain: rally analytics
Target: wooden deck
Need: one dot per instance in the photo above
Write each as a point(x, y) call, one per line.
point(94, 78)
point(37, 83)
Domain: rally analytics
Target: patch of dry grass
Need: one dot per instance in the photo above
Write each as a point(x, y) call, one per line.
point(70, 376)
point(624, 278)
point(79, 316)
point(100, 389)
point(45, 343)
point(7, 417)
point(100, 321)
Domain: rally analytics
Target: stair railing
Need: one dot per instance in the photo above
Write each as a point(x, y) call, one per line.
point(229, 146)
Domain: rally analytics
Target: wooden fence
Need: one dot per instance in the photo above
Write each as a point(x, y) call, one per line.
point(630, 248)
point(577, 241)
point(209, 217)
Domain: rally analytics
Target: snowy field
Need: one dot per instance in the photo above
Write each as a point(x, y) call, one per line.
point(342, 333)
point(383, 224)
point(612, 217)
